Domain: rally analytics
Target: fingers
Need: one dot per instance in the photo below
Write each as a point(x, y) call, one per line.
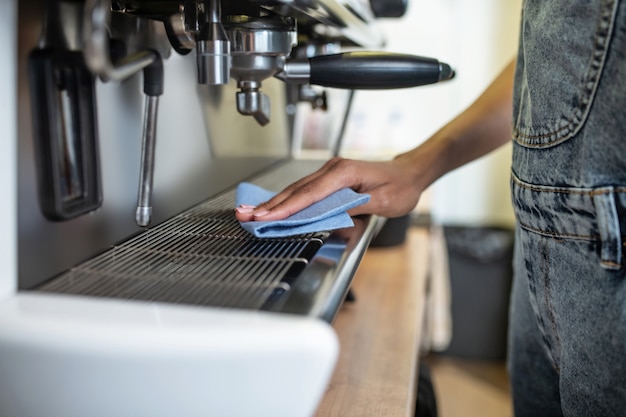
point(243, 213)
point(392, 191)
point(297, 196)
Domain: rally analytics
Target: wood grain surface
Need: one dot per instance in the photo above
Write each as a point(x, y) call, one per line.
point(379, 334)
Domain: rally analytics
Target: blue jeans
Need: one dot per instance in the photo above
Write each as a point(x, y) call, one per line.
point(567, 341)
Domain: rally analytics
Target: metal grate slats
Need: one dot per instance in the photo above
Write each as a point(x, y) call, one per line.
point(200, 257)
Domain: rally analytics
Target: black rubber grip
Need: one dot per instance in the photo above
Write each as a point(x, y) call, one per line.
point(389, 8)
point(153, 77)
point(376, 70)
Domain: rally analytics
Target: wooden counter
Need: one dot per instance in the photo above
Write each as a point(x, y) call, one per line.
point(376, 374)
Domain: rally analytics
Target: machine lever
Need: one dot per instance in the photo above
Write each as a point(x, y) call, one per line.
point(363, 70)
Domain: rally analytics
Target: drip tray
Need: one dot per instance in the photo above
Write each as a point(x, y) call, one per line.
point(203, 257)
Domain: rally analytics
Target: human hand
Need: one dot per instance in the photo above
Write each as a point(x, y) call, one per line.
point(390, 184)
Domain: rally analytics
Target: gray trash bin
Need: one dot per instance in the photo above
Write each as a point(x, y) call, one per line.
point(480, 261)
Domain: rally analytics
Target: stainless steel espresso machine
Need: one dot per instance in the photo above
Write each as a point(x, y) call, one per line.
point(127, 287)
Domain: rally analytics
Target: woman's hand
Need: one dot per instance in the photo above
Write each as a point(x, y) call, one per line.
point(395, 186)
point(391, 185)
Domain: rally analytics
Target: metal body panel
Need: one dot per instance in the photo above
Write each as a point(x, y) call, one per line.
point(203, 257)
point(107, 353)
point(199, 133)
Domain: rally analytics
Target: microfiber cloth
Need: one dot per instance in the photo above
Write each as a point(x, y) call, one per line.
point(327, 214)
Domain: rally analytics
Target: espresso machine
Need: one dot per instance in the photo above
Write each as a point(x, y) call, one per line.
point(127, 287)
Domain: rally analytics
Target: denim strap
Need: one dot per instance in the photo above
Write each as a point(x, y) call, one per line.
point(608, 227)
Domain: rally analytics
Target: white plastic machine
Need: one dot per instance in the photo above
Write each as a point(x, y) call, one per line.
point(127, 288)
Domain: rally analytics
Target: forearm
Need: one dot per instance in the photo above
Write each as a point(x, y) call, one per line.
point(395, 186)
point(483, 127)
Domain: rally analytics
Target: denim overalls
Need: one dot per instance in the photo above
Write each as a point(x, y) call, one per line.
point(567, 339)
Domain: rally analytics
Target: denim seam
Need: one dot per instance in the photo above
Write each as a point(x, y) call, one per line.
point(551, 347)
point(590, 193)
point(592, 79)
point(558, 235)
point(568, 236)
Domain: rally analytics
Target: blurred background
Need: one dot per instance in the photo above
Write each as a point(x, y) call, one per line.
point(469, 209)
point(478, 38)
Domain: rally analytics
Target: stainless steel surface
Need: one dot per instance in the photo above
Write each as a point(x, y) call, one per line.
point(97, 22)
point(342, 20)
point(203, 257)
point(232, 135)
point(143, 214)
point(213, 61)
point(213, 48)
point(252, 102)
point(264, 36)
point(204, 148)
point(258, 49)
point(324, 284)
point(295, 71)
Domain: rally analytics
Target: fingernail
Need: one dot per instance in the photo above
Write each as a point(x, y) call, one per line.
point(244, 210)
point(246, 206)
point(261, 213)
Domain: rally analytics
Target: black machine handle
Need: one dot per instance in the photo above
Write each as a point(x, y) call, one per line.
point(376, 70)
point(389, 8)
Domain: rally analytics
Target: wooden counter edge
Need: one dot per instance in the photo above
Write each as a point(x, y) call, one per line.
point(380, 333)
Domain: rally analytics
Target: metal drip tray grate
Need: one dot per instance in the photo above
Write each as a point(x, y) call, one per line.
point(204, 257)
point(200, 257)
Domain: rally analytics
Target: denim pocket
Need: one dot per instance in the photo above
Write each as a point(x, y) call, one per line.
point(563, 49)
point(593, 217)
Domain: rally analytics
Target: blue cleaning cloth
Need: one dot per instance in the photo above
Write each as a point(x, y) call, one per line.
point(327, 214)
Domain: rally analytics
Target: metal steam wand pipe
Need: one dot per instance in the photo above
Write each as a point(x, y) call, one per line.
point(153, 88)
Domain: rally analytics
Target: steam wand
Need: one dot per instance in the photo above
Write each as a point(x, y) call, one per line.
point(96, 21)
point(152, 88)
